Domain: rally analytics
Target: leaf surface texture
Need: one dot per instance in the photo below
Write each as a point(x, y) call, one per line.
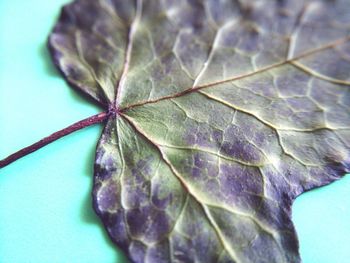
point(226, 111)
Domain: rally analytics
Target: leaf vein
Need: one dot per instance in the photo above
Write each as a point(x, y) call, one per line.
point(249, 74)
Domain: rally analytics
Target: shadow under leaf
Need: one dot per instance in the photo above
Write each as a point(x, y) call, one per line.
point(88, 215)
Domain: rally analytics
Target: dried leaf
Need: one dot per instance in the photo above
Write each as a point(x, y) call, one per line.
point(222, 113)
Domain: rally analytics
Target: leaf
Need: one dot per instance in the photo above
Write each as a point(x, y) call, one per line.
point(221, 114)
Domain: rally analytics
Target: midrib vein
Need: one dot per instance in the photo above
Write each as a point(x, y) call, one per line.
point(210, 85)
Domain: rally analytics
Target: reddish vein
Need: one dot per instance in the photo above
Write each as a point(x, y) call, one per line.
point(98, 118)
point(243, 76)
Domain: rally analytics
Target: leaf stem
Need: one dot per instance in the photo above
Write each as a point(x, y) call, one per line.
point(98, 118)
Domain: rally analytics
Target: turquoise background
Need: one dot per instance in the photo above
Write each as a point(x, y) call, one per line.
point(45, 204)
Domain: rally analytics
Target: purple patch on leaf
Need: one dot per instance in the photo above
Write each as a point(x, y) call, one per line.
point(217, 136)
point(198, 161)
point(116, 227)
point(203, 138)
point(137, 251)
point(204, 165)
point(161, 203)
point(159, 253)
point(190, 139)
point(196, 172)
point(240, 184)
point(107, 196)
point(137, 195)
point(241, 150)
point(105, 166)
point(148, 223)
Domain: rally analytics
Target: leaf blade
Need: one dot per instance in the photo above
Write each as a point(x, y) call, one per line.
point(235, 109)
